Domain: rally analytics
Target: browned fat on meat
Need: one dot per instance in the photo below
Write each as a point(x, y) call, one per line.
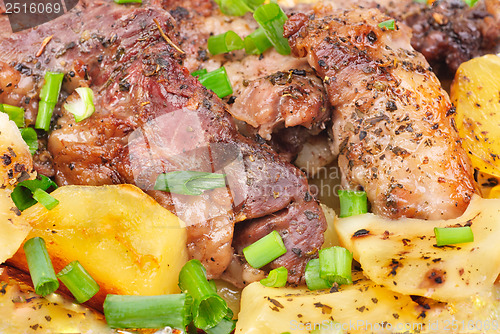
point(153, 117)
point(391, 123)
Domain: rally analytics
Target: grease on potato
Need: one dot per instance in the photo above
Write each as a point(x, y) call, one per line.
point(126, 240)
point(475, 93)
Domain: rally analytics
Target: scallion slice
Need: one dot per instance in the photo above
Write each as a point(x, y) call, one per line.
point(471, 3)
point(199, 72)
point(217, 81)
point(453, 235)
point(30, 137)
point(225, 326)
point(226, 42)
point(42, 197)
point(40, 267)
point(277, 278)
point(148, 311)
point(48, 99)
point(233, 7)
point(22, 195)
point(208, 308)
point(16, 114)
point(271, 18)
point(335, 265)
point(83, 107)
point(264, 250)
point(352, 203)
point(313, 276)
point(388, 25)
point(78, 281)
point(127, 1)
point(257, 42)
point(189, 182)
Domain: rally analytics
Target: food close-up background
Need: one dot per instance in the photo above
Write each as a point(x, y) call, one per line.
point(250, 166)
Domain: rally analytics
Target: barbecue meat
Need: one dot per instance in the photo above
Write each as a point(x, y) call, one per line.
point(153, 117)
point(391, 124)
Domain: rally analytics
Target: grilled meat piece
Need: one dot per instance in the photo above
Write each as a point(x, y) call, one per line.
point(152, 117)
point(391, 124)
point(449, 32)
point(271, 91)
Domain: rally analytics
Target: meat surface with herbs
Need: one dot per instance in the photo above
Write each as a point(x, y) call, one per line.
point(153, 117)
point(391, 125)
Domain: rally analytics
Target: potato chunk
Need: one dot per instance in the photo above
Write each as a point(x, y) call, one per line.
point(12, 230)
point(475, 93)
point(402, 254)
point(15, 156)
point(126, 240)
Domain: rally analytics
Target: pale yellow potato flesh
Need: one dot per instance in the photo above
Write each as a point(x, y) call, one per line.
point(475, 93)
point(127, 242)
point(401, 254)
point(16, 156)
point(12, 230)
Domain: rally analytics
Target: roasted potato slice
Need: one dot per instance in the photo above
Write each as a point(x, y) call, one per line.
point(127, 242)
point(12, 230)
point(402, 254)
point(475, 93)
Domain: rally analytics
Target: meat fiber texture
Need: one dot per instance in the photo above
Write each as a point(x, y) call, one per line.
point(391, 126)
point(153, 117)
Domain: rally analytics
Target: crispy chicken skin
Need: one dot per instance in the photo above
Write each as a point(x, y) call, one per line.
point(391, 125)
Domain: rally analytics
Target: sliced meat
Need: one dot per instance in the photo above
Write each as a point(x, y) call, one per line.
point(391, 123)
point(153, 117)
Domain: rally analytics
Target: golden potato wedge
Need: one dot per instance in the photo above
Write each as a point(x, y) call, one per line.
point(474, 92)
point(127, 242)
point(15, 156)
point(402, 254)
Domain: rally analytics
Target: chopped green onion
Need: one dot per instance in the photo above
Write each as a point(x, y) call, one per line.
point(42, 197)
point(83, 107)
point(189, 182)
point(257, 42)
point(148, 311)
point(127, 1)
point(453, 235)
point(420, 1)
point(208, 308)
point(48, 99)
point(78, 281)
point(225, 326)
point(471, 3)
point(22, 195)
point(199, 72)
point(30, 137)
point(41, 269)
point(352, 203)
point(388, 25)
point(217, 81)
point(313, 276)
point(233, 7)
point(226, 42)
point(277, 278)
point(335, 265)
point(16, 114)
point(264, 250)
point(272, 18)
